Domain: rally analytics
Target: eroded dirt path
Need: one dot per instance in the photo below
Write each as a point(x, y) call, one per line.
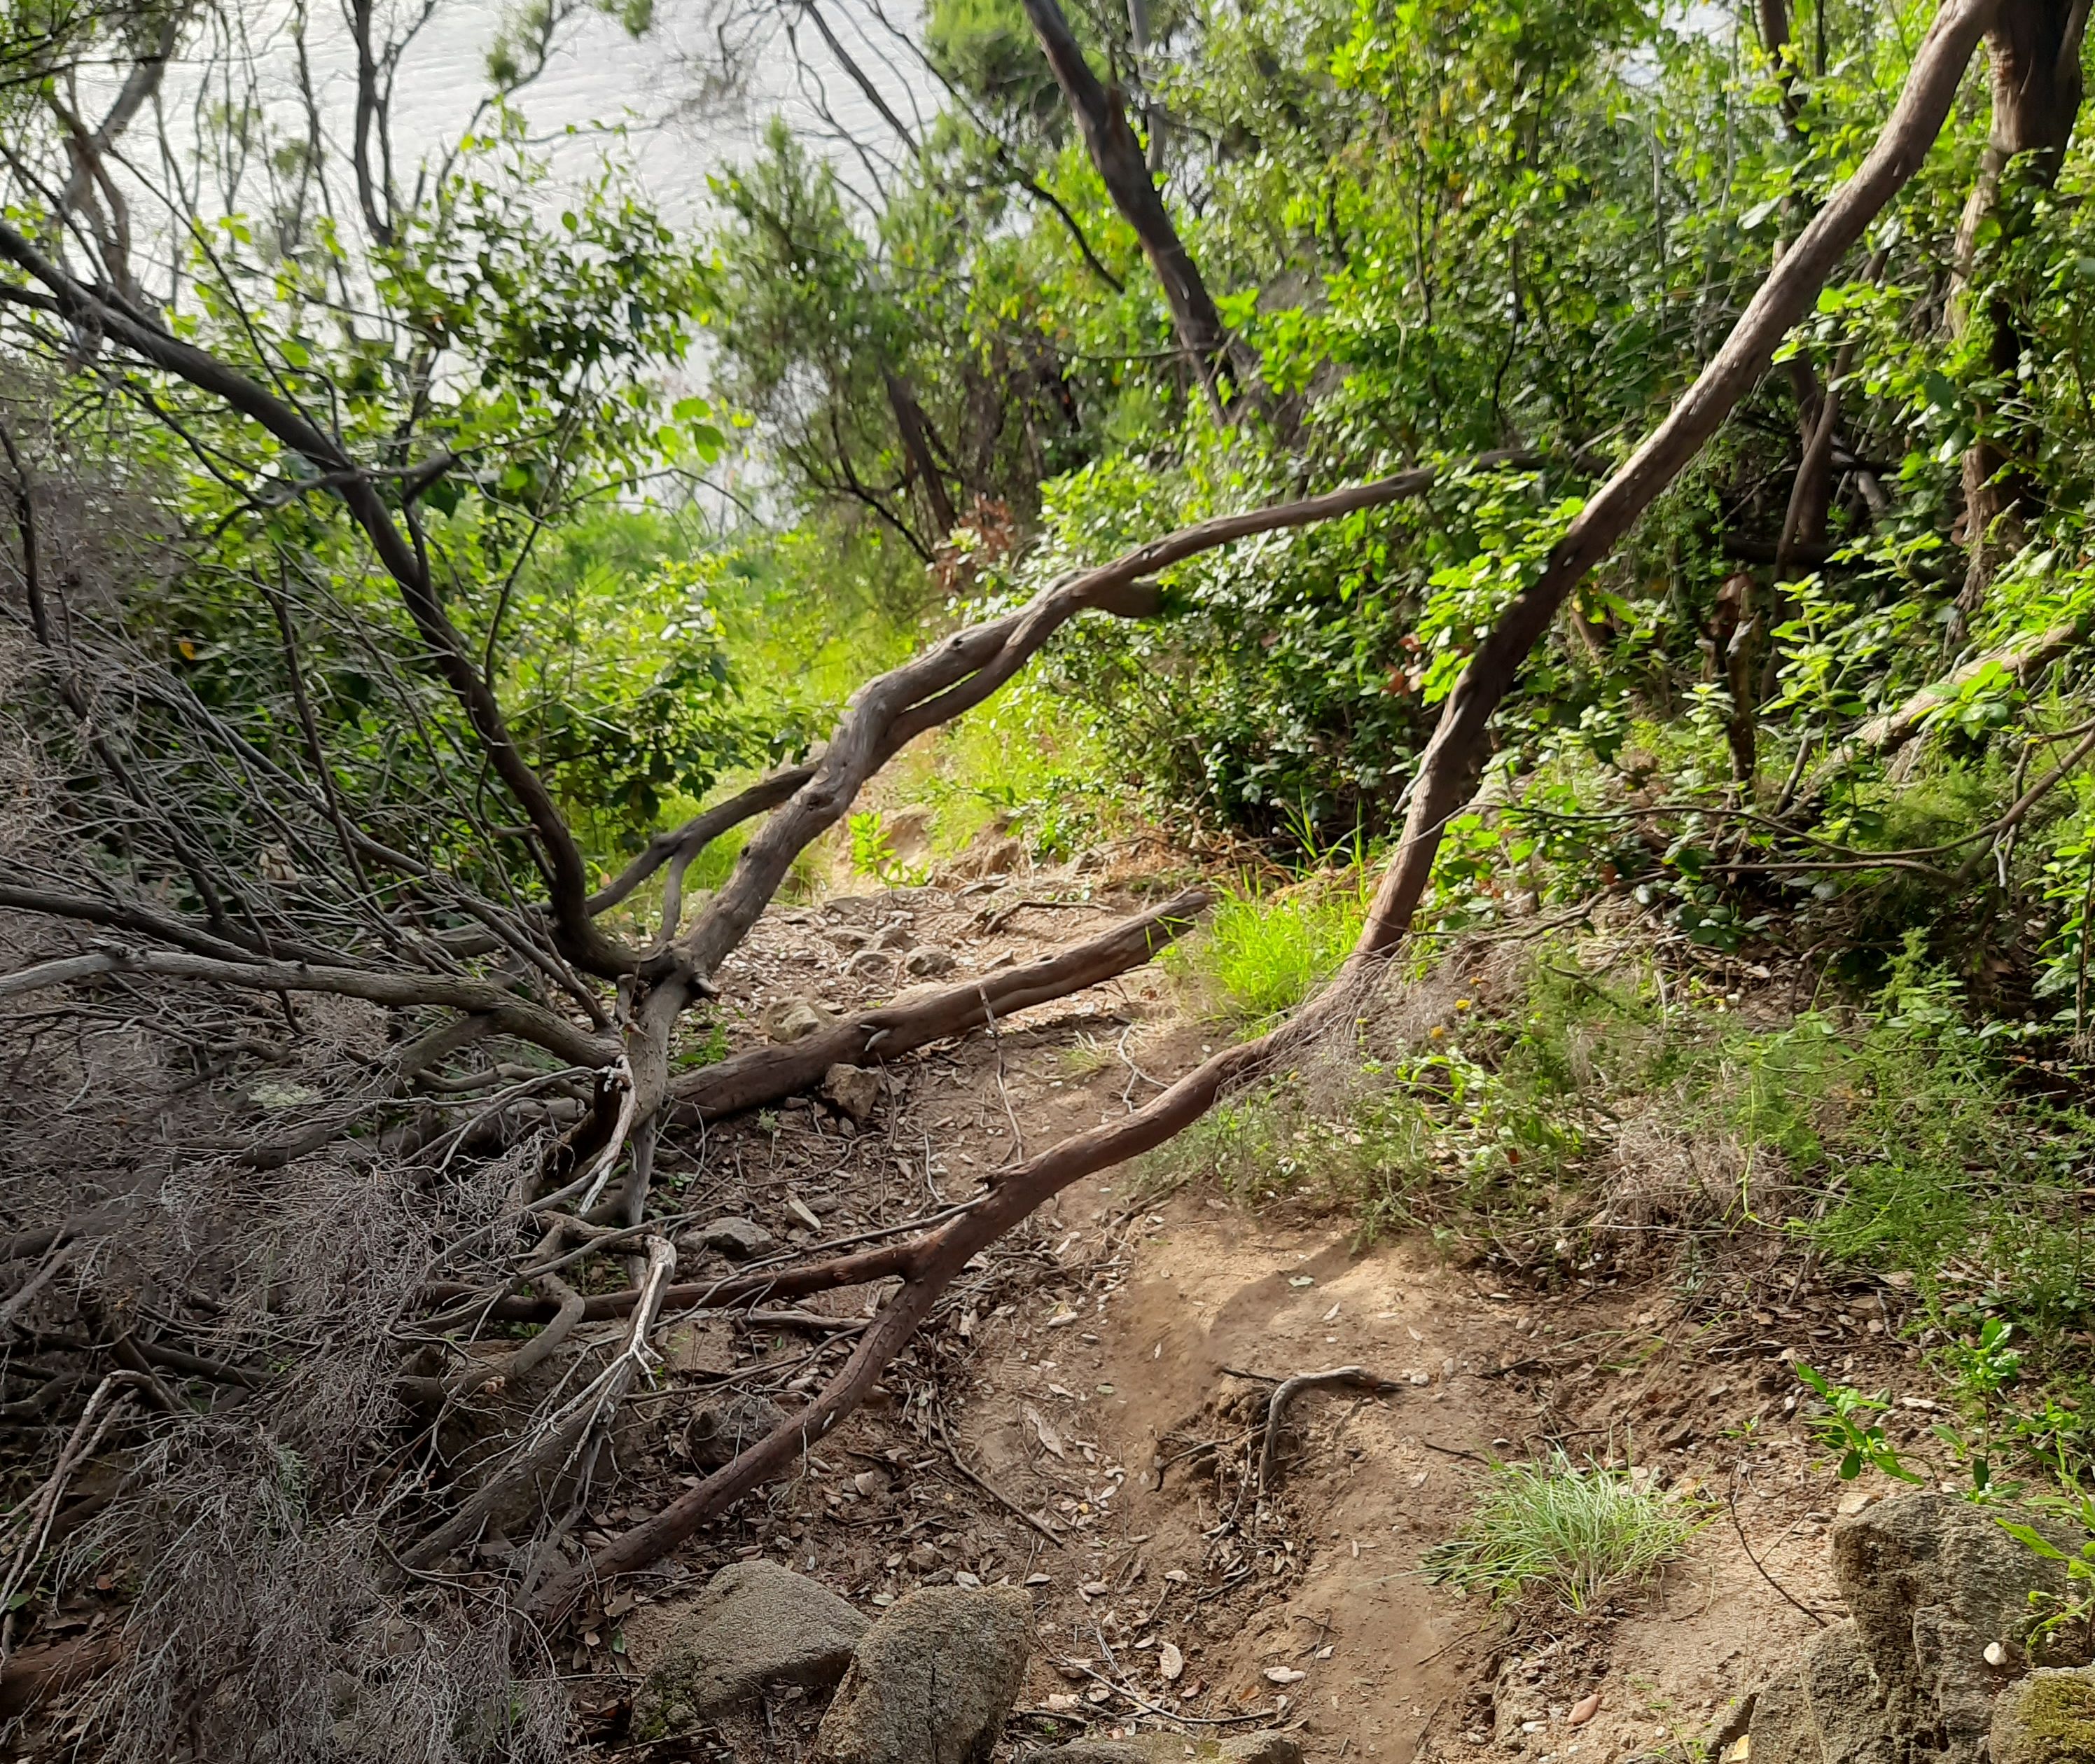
point(1084, 1415)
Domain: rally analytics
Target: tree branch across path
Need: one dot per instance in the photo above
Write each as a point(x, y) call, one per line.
point(1445, 779)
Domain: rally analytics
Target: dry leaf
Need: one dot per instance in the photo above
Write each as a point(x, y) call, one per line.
point(1585, 1709)
point(1050, 1439)
point(1170, 1662)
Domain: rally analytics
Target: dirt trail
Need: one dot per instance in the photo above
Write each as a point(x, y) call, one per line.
point(1084, 1416)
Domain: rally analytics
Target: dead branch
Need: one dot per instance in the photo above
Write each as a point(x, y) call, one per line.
point(505, 1011)
point(2021, 659)
point(1354, 1377)
point(567, 1443)
point(763, 1075)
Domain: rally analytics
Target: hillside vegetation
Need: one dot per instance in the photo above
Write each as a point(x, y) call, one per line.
point(1556, 532)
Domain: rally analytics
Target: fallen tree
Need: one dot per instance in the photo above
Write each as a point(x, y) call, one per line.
point(520, 946)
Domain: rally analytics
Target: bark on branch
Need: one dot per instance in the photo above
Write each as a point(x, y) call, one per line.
point(505, 1012)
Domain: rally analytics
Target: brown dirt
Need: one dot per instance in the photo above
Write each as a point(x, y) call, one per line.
point(1105, 1372)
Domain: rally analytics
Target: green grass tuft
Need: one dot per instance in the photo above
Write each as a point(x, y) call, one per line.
point(1567, 1534)
point(1263, 950)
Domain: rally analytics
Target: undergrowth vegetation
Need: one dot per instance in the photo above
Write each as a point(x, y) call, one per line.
point(1599, 1109)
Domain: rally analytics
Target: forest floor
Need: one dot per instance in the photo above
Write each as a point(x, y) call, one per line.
point(1084, 1416)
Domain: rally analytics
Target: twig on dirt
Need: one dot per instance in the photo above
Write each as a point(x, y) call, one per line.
point(1732, 1505)
point(997, 1042)
point(1151, 1708)
point(1355, 1377)
point(987, 1486)
point(1455, 1451)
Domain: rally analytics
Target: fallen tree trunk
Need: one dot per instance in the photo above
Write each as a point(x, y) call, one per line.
point(763, 1075)
point(1450, 766)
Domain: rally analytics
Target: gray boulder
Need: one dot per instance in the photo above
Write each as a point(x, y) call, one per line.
point(738, 1239)
point(2047, 1718)
point(1782, 1731)
point(1932, 1582)
point(1847, 1708)
point(756, 1624)
point(1940, 1596)
point(932, 1681)
point(1177, 1748)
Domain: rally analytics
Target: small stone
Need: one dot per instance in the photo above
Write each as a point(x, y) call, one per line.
point(852, 1090)
point(1585, 1709)
point(929, 962)
point(873, 967)
point(793, 1019)
point(737, 1239)
point(719, 1430)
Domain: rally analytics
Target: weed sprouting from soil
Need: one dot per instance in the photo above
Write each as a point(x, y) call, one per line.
point(1563, 1532)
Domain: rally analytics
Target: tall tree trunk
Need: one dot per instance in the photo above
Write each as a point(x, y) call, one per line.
point(1462, 741)
point(1117, 154)
point(2034, 46)
point(911, 424)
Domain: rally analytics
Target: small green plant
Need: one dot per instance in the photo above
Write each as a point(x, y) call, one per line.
point(1565, 1532)
point(2058, 1613)
point(1847, 1429)
point(708, 1049)
point(872, 851)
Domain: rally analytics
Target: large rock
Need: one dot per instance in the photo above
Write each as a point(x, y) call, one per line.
point(1177, 1748)
point(1941, 1605)
point(1847, 1708)
point(1782, 1731)
point(932, 1681)
point(756, 1624)
point(1932, 1582)
point(2047, 1718)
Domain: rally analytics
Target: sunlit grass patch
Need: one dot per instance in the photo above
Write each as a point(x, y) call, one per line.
point(1564, 1532)
point(1264, 951)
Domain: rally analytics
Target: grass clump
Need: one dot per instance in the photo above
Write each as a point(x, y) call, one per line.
point(1560, 1531)
point(1265, 950)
